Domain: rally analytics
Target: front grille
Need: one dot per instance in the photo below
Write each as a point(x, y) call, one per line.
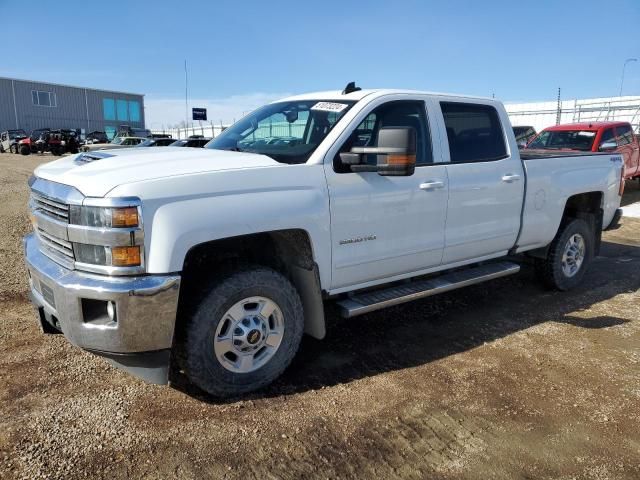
point(50, 207)
point(55, 243)
point(51, 244)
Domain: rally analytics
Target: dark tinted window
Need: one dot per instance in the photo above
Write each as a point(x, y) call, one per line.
point(564, 140)
point(624, 135)
point(607, 136)
point(474, 132)
point(392, 114)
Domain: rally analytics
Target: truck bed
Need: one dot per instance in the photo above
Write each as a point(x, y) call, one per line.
point(553, 177)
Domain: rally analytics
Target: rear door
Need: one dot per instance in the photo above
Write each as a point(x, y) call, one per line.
point(486, 182)
point(629, 149)
point(386, 226)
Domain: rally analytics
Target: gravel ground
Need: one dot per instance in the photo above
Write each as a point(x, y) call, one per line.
point(501, 380)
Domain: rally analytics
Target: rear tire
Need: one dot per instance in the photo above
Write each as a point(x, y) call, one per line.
point(25, 150)
point(244, 332)
point(568, 257)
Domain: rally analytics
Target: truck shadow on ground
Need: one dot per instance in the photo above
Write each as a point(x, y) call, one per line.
point(424, 331)
point(631, 193)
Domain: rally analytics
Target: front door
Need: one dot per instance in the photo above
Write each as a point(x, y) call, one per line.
point(486, 184)
point(382, 226)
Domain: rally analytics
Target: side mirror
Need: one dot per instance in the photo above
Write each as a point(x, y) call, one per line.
point(608, 146)
point(396, 153)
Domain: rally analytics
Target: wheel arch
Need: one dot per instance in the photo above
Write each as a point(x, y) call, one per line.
point(288, 251)
point(587, 206)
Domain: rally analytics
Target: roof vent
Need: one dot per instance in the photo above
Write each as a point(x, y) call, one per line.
point(351, 87)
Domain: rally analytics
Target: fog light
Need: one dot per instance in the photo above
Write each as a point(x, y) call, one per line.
point(111, 311)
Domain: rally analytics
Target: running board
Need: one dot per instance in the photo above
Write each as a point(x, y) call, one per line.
point(366, 302)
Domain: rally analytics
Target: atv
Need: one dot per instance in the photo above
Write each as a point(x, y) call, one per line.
point(29, 145)
point(9, 140)
point(57, 142)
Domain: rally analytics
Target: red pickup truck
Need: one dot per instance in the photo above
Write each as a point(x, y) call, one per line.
point(608, 137)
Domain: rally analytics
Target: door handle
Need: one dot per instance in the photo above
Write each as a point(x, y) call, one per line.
point(431, 185)
point(510, 178)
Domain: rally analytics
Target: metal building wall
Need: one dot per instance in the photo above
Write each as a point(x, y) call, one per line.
point(76, 107)
point(7, 112)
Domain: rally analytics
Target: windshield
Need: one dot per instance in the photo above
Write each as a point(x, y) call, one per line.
point(117, 140)
point(147, 143)
point(17, 133)
point(288, 132)
point(564, 139)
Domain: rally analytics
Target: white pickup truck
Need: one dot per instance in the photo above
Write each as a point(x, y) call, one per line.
point(215, 261)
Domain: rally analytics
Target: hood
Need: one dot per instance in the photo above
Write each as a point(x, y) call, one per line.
point(96, 173)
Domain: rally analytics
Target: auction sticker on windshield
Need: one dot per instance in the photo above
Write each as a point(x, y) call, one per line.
point(329, 106)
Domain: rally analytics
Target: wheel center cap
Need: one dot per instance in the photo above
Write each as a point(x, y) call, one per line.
point(253, 336)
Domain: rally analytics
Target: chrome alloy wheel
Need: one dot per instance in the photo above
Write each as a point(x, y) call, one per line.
point(249, 334)
point(573, 255)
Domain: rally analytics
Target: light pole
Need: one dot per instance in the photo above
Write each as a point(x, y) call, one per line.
point(186, 103)
point(628, 60)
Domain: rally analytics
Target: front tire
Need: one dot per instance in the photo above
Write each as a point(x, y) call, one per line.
point(244, 332)
point(13, 149)
point(25, 150)
point(568, 257)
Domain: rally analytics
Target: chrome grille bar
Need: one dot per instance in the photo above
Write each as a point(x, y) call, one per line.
point(57, 244)
point(50, 206)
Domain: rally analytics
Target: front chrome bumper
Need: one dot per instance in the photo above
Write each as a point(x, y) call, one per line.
point(71, 301)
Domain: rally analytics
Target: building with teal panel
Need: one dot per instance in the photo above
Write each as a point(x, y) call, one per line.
point(30, 105)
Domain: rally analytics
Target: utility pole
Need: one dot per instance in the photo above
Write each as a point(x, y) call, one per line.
point(559, 109)
point(628, 60)
point(186, 104)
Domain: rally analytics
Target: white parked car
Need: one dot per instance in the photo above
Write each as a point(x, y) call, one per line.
point(224, 256)
point(117, 142)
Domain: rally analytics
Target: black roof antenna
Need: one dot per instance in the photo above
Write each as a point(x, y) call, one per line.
point(351, 87)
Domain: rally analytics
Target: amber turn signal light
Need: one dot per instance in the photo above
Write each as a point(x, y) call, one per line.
point(124, 217)
point(125, 256)
point(401, 159)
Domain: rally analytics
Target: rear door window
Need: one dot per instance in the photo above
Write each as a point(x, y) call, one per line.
point(624, 135)
point(474, 132)
point(607, 136)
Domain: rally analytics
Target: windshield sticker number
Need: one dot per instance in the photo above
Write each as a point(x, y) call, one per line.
point(329, 106)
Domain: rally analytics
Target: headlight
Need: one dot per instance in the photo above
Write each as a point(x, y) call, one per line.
point(126, 256)
point(107, 235)
point(104, 217)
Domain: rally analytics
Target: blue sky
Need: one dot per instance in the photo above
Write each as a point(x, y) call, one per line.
point(241, 54)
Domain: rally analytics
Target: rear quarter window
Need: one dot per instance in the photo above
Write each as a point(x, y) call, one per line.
point(474, 132)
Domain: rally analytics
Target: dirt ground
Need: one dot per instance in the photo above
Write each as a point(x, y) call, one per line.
point(503, 380)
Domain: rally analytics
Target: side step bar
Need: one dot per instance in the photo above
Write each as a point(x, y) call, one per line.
point(366, 302)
